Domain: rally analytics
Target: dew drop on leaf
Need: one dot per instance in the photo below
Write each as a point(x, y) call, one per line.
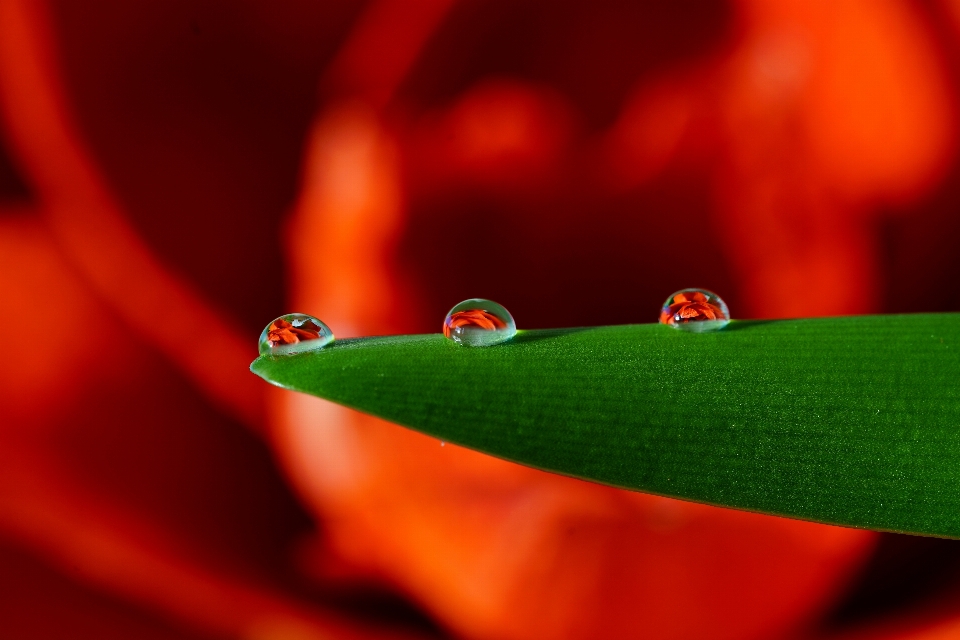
point(695, 310)
point(294, 333)
point(479, 323)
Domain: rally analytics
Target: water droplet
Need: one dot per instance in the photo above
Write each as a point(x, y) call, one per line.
point(479, 323)
point(695, 310)
point(294, 333)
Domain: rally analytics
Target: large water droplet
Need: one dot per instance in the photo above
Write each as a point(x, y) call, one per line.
point(479, 323)
point(294, 333)
point(695, 310)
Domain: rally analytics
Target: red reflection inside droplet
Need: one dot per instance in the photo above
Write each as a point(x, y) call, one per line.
point(690, 306)
point(472, 318)
point(283, 332)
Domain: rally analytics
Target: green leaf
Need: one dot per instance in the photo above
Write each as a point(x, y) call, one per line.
point(852, 421)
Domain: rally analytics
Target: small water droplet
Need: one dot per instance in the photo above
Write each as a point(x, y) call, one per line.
point(479, 323)
point(695, 310)
point(294, 333)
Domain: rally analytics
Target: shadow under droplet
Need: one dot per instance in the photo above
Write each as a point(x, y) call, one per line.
point(536, 335)
point(746, 325)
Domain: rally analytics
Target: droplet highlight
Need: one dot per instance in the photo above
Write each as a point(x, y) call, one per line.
point(695, 310)
point(479, 323)
point(294, 333)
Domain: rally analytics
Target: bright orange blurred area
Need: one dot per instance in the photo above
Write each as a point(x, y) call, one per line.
point(175, 175)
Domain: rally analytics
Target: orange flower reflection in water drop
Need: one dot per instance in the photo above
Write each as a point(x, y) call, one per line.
point(690, 307)
point(472, 318)
point(282, 332)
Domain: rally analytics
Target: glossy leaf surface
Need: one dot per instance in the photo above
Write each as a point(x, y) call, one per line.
point(852, 421)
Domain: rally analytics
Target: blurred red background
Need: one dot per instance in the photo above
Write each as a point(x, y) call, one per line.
point(174, 175)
